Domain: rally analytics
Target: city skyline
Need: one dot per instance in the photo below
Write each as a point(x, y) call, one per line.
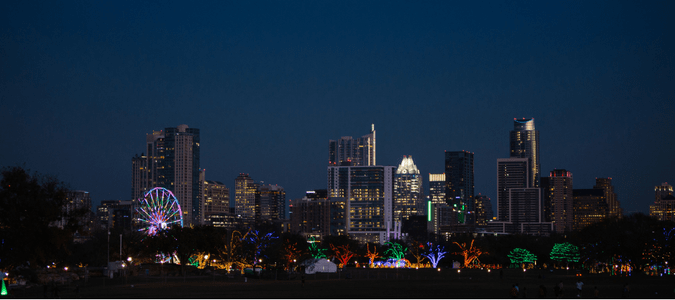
point(81, 85)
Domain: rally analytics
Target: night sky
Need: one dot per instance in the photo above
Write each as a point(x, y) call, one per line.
point(269, 83)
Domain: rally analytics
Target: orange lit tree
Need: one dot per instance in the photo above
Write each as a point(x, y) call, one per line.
point(470, 254)
point(372, 255)
point(417, 250)
point(342, 253)
point(290, 253)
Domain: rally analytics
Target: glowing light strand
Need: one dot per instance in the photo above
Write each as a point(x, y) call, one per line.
point(435, 254)
point(159, 212)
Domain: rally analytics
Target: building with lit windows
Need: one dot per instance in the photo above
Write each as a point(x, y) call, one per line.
point(664, 203)
point(524, 143)
point(590, 206)
point(115, 214)
point(483, 210)
point(245, 191)
point(216, 199)
point(368, 192)
point(519, 206)
point(172, 162)
point(437, 188)
point(272, 199)
point(311, 215)
point(408, 196)
point(559, 199)
point(348, 151)
point(613, 203)
point(459, 185)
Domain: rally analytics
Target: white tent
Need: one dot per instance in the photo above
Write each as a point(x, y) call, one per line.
point(322, 266)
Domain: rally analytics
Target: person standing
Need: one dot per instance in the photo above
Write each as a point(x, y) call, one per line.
point(560, 289)
point(579, 286)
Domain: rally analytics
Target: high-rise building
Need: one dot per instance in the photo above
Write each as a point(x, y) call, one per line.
point(519, 206)
point(272, 202)
point(408, 196)
point(512, 173)
point(216, 199)
point(590, 206)
point(245, 197)
point(559, 200)
point(368, 192)
point(525, 144)
point(172, 163)
point(664, 203)
point(613, 203)
point(140, 176)
point(348, 151)
point(437, 188)
point(310, 215)
point(459, 184)
point(483, 210)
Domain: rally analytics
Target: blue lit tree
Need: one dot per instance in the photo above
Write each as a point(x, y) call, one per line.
point(259, 243)
point(435, 254)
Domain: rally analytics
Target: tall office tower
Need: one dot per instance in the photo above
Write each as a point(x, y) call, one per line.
point(518, 205)
point(310, 215)
point(353, 152)
point(437, 188)
point(459, 186)
point(664, 203)
point(613, 202)
point(173, 163)
point(272, 202)
point(525, 144)
point(483, 210)
point(561, 198)
point(112, 214)
point(512, 173)
point(590, 206)
point(245, 197)
point(216, 199)
point(408, 195)
point(368, 192)
point(139, 176)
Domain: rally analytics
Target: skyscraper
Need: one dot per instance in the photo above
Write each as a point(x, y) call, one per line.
point(368, 192)
point(353, 152)
point(245, 197)
point(459, 186)
point(664, 203)
point(172, 162)
point(272, 202)
point(524, 140)
point(561, 197)
point(613, 203)
point(590, 206)
point(437, 188)
point(216, 198)
point(512, 173)
point(408, 195)
point(483, 210)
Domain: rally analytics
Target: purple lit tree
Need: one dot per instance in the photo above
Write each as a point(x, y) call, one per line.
point(435, 254)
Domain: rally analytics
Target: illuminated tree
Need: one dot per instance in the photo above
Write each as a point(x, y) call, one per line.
point(396, 251)
point(290, 253)
point(259, 243)
point(565, 252)
point(372, 255)
point(521, 256)
point(415, 249)
point(314, 249)
point(229, 254)
point(342, 253)
point(470, 254)
point(435, 254)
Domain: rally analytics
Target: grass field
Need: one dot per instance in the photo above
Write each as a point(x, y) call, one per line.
point(365, 283)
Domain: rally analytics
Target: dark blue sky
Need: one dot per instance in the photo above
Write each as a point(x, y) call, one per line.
point(269, 83)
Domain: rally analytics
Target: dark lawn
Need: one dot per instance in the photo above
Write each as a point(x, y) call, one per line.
point(366, 283)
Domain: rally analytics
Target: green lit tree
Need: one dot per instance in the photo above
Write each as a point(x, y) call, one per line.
point(520, 256)
point(314, 249)
point(565, 252)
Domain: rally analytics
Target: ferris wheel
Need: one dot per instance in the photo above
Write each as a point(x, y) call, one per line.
point(159, 210)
